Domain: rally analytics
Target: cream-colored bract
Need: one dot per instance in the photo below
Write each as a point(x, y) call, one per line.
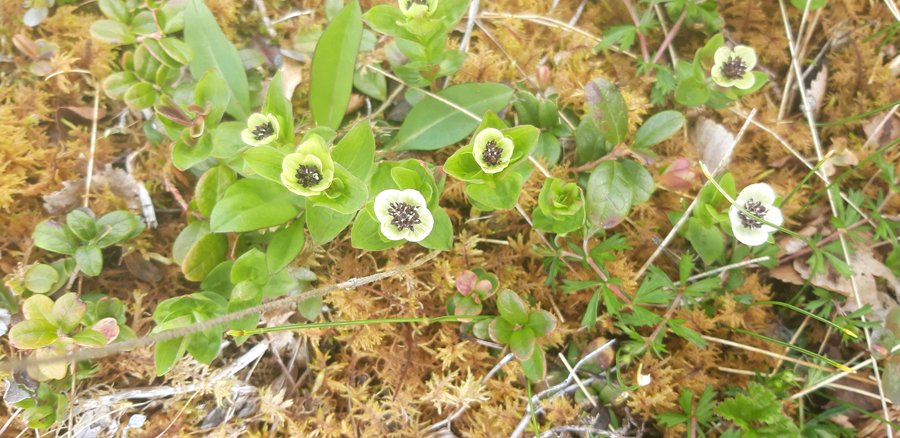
point(746, 54)
point(482, 139)
point(311, 152)
point(255, 121)
point(412, 198)
point(412, 8)
point(758, 234)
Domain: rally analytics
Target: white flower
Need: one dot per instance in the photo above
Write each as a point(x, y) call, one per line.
point(733, 67)
point(261, 130)
point(414, 8)
point(403, 214)
point(758, 200)
point(644, 379)
point(492, 151)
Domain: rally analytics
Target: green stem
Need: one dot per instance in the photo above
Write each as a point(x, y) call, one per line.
point(811, 315)
point(860, 116)
point(312, 325)
point(534, 423)
point(806, 178)
point(839, 366)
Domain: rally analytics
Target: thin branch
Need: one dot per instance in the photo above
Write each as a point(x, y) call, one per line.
point(90, 169)
point(637, 26)
point(670, 36)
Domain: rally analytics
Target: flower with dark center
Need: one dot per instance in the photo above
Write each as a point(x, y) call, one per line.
point(756, 200)
point(261, 130)
point(308, 176)
point(309, 171)
point(492, 150)
point(403, 214)
point(491, 154)
point(415, 8)
point(733, 67)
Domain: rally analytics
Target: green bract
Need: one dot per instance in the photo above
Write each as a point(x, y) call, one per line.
point(310, 169)
point(261, 130)
point(733, 67)
point(492, 150)
point(403, 214)
point(560, 207)
point(414, 8)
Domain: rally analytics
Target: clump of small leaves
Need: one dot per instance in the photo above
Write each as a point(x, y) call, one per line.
point(518, 328)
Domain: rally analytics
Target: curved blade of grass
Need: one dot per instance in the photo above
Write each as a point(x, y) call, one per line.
point(811, 315)
point(859, 116)
point(534, 423)
point(807, 177)
point(839, 366)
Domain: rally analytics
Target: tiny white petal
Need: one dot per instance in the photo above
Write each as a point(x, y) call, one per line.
point(774, 216)
point(383, 203)
point(412, 197)
point(747, 54)
point(644, 379)
point(722, 54)
point(391, 231)
point(749, 236)
point(746, 81)
point(759, 192)
point(423, 229)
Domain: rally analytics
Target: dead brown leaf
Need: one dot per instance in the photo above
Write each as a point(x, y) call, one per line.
point(888, 133)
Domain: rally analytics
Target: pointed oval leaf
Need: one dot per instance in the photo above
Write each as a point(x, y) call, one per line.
point(331, 78)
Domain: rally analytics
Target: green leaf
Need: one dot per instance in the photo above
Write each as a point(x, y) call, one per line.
point(366, 234)
point(245, 295)
point(52, 236)
point(140, 96)
point(112, 32)
point(115, 9)
point(507, 192)
point(609, 194)
point(184, 156)
point(115, 227)
point(762, 406)
point(657, 128)
point(590, 145)
point(279, 105)
point(679, 329)
point(227, 140)
point(212, 90)
point(204, 346)
point(622, 34)
point(116, 84)
point(511, 307)
point(331, 78)
point(467, 306)
point(691, 92)
point(607, 108)
point(642, 184)
point(219, 280)
point(187, 238)
point(67, 312)
point(356, 151)
point(388, 20)
point(32, 333)
point(89, 338)
point(500, 330)
point(541, 323)
point(39, 278)
point(441, 236)
point(251, 204)
point(286, 244)
point(521, 343)
point(177, 50)
point(211, 188)
point(167, 353)
point(707, 241)
point(348, 196)
point(590, 314)
point(370, 83)
point(548, 148)
point(891, 377)
point(433, 124)
point(310, 308)
point(212, 50)
point(204, 256)
point(250, 266)
point(813, 5)
point(324, 223)
point(265, 161)
point(89, 259)
point(82, 225)
point(39, 307)
point(535, 367)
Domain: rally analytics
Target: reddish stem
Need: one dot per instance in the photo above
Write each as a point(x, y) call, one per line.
point(670, 36)
point(637, 26)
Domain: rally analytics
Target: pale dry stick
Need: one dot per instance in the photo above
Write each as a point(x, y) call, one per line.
point(717, 271)
point(184, 408)
point(793, 339)
point(577, 380)
point(470, 25)
point(456, 414)
point(10, 420)
point(687, 213)
point(578, 12)
point(549, 22)
point(832, 385)
point(881, 125)
point(670, 48)
point(584, 430)
point(789, 79)
point(819, 172)
point(387, 102)
point(90, 169)
point(557, 389)
point(807, 109)
point(893, 8)
point(840, 375)
point(292, 14)
point(281, 303)
point(261, 8)
point(531, 224)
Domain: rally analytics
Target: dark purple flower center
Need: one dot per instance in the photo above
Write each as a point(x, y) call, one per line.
point(756, 209)
point(263, 131)
point(308, 176)
point(734, 68)
point(491, 155)
point(404, 216)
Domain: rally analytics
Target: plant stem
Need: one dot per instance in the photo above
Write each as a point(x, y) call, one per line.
point(423, 320)
point(637, 26)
